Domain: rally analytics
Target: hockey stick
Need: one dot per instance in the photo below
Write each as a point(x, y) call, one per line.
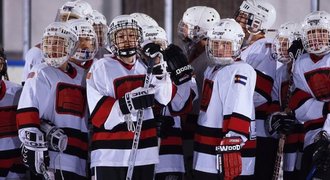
point(279, 156)
point(137, 132)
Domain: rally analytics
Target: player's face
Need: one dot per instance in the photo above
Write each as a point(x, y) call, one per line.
point(126, 38)
point(242, 19)
point(318, 38)
point(54, 46)
point(283, 44)
point(86, 44)
point(221, 49)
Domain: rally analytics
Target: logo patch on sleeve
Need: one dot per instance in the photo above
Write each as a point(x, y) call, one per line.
point(240, 79)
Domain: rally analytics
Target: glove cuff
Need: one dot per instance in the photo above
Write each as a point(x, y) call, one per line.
point(123, 106)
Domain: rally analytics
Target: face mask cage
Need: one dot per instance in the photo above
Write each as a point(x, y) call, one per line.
point(249, 22)
point(280, 49)
point(126, 41)
point(55, 50)
point(221, 51)
point(101, 31)
point(317, 41)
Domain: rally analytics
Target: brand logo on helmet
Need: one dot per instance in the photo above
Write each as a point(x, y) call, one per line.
point(263, 8)
point(151, 34)
point(314, 22)
point(217, 33)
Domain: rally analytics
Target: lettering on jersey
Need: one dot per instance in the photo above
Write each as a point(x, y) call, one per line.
point(126, 84)
point(207, 94)
point(240, 79)
point(31, 75)
point(8, 121)
point(70, 99)
point(318, 81)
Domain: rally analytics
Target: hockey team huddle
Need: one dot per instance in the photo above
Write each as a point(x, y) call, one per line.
point(114, 101)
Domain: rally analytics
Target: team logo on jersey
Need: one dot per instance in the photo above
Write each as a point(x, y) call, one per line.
point(127, 83)
point(318, 81)
point(240, 79)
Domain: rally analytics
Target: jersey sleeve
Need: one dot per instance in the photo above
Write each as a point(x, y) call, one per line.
point(163, 89)
point(239, 109)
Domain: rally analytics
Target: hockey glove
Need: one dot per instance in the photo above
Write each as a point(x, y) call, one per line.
point(34, 150)
point(280, 122)
point(139, 98)
point(296, 49)
point(152, 51)
point(164, 125)
point(55, 137)
point(229, 157)
point(181, 71)
point(321, 157)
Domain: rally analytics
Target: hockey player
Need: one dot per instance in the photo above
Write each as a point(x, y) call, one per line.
point(226, 108)
point(256, 17)
point(144, 19)
point(77, 9)
point(192, 28)
point(310, 100)
point(116, 96)
point(87, 46)
point(283, 122)
point(11, 166)
point(101, 29)
point(52, 115)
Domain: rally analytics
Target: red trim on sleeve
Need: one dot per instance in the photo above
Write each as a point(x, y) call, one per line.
point(207, 140)
point(123, 135)
point(171, 141)
point(7, 163)
point(102, 111)
point(237, 124)
point(27, 117)
point(298, 98)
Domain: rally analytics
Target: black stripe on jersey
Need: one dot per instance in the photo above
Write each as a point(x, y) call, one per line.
point(8, 154)
point(75, 151)
point(147, 124)
point(70, 132)
point(8, 134)
point(187, 106)
point(18, 168)
point(124, 144)
point(170, 149)
point(291, 148)
point(266, 93)
point(210, 132)
point(4, 172)
point(248, 152)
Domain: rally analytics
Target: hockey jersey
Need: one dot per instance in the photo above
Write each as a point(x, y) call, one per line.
point(226, 107)
point(33, 56)
point(258, 55)
point(171, 152)
point(10, 154)
point(57, 96)
point(107, 81)
point(311, 79)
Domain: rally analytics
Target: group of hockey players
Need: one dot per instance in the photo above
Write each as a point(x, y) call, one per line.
point(115, 101)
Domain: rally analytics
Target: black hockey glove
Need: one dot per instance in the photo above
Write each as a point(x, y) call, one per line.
point(321, 157)
point(281, 122)
point(164, 125)
point(151, 51)
point(139, 98)
point(177, 62)
point(296, 49)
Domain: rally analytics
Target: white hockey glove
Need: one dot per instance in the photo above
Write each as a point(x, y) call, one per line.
point(55, 137)
point(34, 150)
point(139, 98)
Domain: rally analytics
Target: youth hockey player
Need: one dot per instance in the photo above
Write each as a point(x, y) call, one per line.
point(310, 101)
point(226, 108)
point(116, 93)
point(256, 17)
point(11, 166)
point(52, 114)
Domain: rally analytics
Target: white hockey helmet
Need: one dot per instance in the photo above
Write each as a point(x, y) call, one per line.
point(59, 43)
point(316, 33)
point(144, 19)
point(78, 9)
point(256, 15)
point(88, 45)
point(196, 21)
point(224, 42)
point(287, 33)
point(154, 34)
point(100, 26)
point(125, 36)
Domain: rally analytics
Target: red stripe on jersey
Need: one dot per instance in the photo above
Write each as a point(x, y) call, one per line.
point(298, 98)
point(237, 124)
point(250, 144)
point(123, 135)
point(102, 111)
point(2, 89)
point(27, 117)
point(78, 143)
point(8, 126)
point(292, 138)
point(264, 85)
point(7, 163)
point(207, 140)
point(314, 122)
point(171, 141)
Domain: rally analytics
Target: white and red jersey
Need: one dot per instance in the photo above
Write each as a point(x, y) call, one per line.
point(171, 151)
point(33, 56)
point(294, 141)
point(10, 162)
point(57, 96)
point(311, 78)
point(258, 55)
point(107, 81)
point(226, 107)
